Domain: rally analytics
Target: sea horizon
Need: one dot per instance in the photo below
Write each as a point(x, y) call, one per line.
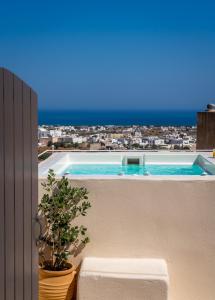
point(80, 117)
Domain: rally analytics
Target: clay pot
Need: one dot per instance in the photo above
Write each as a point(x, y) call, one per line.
point(56, 285)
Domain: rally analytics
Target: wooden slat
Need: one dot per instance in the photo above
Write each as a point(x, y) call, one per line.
point(19, 215)
point(34, 193)
point(9, 184)
point(2, 208)
point(27, 192)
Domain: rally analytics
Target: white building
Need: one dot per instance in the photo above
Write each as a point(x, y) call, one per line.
point(55, 132)
point(43, 133)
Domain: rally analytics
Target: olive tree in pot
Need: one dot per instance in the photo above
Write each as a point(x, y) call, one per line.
point(60, 237)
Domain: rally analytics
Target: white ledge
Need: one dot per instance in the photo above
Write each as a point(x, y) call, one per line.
point(123, 278)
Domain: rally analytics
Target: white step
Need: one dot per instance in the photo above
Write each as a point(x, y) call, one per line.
point(123, 279)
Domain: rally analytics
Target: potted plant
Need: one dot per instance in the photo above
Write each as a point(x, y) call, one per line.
point(60, 237)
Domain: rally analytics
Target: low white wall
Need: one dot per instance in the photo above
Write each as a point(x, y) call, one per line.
point(174, 220)
point(123, 278)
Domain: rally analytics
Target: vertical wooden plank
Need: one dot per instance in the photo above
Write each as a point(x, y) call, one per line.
point(9, 184)
point(27, 192)
point(34, 193)
point(19, 216)
point(2, 205)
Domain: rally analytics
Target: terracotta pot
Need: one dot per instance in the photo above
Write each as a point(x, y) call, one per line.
point(56, 285)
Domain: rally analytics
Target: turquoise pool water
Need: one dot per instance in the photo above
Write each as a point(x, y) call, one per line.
point(111, 169)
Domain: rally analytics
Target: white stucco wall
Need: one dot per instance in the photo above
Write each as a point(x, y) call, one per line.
point(169, 219)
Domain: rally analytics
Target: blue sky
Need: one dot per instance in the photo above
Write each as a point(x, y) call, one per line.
point(112, 54)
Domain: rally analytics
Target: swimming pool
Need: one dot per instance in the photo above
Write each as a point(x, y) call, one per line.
point(128, 164)
point(109, 169)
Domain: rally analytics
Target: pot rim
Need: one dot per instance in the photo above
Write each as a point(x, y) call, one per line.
point(58, 273)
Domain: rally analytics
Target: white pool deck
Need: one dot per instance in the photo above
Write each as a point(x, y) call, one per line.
point(59, 161)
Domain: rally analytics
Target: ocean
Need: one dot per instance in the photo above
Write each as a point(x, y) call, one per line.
point(117, 117)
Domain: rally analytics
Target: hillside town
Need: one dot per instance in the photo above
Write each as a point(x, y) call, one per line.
point(112, 137)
